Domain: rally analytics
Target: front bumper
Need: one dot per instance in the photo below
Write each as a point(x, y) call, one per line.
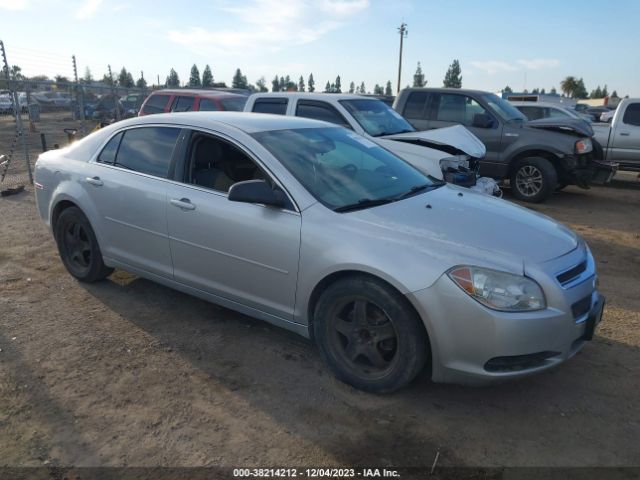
point(586, 170)
point(472, 344)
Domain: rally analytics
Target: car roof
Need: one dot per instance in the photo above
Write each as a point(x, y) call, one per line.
point(538, 104)
point(313, 95)
point(447, 90)
point(247, 122)
point(197, 92)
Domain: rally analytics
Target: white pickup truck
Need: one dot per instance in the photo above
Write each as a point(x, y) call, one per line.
point(449, 153)
point(620, 140)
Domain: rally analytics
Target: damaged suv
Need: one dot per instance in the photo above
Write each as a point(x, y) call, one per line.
point(537, 157)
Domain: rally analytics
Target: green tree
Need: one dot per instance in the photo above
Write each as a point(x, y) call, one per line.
point(542, 92)
point(363, 89)
point(352, 87)
point(553, 90)
point(262, 85)
point(597, 93)
point(569, 86)
point(327, 87)
point(418, 77)
point(387, 88)
point(614, 94)
point(535, 91)
point(207, 77)
point(88, 77)
point(507, 89)
point(281, 84)
point(311, 83)
point(581, 91)
point(605, 92)
point(275, 84)
point(173, 80)
point(453, 77)
point(125, 79)
point(141, 82)
point(338, 86)
point(289, 86)
point(301, 85)
point(239, 80)
point(107, 80)
point(378, 90)
point(194, 77)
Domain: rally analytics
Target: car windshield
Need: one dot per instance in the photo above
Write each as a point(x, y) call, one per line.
point(376, 117)
point(343, 170)
point(235, 104)
point(503, 108)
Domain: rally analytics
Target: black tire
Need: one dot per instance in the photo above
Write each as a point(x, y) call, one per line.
point(533, 179)
point(369, 335)
point(78, 246)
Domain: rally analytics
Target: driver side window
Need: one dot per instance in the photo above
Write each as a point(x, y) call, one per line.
point(216, 164)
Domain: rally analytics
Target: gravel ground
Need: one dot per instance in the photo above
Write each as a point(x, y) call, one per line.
point(129, 373)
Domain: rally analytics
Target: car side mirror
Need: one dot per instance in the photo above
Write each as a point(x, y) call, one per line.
point(482, 120)
point(256, 191)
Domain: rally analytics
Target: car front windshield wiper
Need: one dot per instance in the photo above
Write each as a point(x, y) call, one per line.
point(427, 187)
point(384, 134)
point(364, 203)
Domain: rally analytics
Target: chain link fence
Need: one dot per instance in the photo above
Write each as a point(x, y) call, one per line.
point(38, 113)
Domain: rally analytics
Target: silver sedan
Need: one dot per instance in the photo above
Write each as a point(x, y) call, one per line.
point(316, 229)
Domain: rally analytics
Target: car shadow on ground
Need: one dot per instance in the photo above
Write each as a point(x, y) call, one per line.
point(281, 375)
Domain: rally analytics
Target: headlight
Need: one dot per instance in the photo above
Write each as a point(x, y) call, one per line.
point(584, 145)
point(499, 290)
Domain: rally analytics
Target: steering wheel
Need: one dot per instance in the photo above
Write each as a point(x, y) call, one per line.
point(349, 169)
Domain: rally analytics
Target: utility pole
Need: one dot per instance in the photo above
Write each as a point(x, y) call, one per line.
point(79, 96)
point(113, 92)
point(402, 30)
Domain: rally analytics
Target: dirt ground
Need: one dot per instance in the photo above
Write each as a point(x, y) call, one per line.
point(129, 373)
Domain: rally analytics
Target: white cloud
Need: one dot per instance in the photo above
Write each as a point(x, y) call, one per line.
point(88, 9)
point(539, 63)
point(492, 66)
point(270, 25)
point(14, 5)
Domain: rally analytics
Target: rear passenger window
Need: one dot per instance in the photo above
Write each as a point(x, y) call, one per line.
point(108, 153)
point(632, 115)
point(415, 106)
point(147, 150)
point(277, 106)
point(183, 104)
point(320, 111)
point(208, 105)
point(156, 104)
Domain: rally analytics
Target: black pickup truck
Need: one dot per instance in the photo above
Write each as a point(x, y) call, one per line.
point(537, 157)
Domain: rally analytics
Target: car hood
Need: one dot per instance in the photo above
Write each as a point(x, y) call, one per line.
point(457, 136)
point(568, 125)
point(455, 221)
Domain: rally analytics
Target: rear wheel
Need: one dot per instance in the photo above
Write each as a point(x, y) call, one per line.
point(78, 246)
point(369, 336)
point(534, 179)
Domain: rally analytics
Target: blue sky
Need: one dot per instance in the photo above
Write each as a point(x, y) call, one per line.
point(498, 43)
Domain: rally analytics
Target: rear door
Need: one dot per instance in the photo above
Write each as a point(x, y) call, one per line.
point(129, 190)
point(245, 253)
point(625, 139)
point(273, 105)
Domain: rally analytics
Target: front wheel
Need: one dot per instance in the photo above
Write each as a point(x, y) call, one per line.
point(369, 335)
point(533, 179)
point(78, 246)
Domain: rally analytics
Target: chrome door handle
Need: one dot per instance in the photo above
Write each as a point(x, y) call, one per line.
point(94, 181)
point(183, 203)
point(624, 134)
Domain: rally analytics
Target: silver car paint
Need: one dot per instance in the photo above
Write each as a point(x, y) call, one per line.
point(269, 261)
